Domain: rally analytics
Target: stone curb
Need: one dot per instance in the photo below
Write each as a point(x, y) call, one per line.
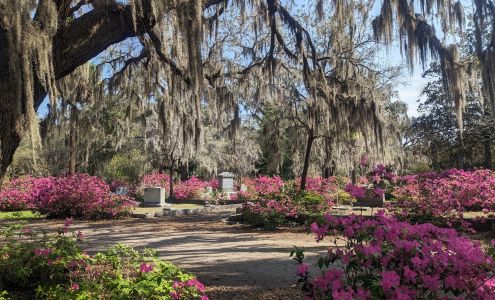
point(187, 211)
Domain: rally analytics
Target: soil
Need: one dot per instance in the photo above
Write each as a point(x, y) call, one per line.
point(233, 261)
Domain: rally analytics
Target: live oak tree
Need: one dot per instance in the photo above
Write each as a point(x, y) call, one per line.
point(44, 41)
point(349, 100)
point(178, 51)
point(433, 134)
point(419, 40)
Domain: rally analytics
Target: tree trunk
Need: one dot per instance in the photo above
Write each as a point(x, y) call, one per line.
point(334, 167)
point(14, 120)
point(307, 156)
point(486, 88)
point(73, 140)
point(171, 183)
point(326, 173)
point(353, 175)
point(74, 44)
point(183, 172)
point(462, 152)
point(85, 164)
point(488, 155)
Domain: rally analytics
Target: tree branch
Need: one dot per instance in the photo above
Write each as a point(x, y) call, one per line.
point(173, 66)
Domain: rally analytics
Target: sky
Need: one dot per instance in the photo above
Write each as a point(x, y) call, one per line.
point(410, 93)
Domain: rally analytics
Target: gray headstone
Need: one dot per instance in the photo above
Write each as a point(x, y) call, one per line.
point(154, 196)
point(121, 190)
point(226, 182)
point(371, 199)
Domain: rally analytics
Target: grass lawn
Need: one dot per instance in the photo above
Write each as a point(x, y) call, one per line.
point(20, 215)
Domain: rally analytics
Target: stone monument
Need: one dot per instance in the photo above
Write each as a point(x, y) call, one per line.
point(371, 199)
point(154, 196)
point(226, 182)
point(121, 190)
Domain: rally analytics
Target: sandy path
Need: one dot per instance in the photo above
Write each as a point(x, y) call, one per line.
point(234, 261)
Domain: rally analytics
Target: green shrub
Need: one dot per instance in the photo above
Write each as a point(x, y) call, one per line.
point(344, 197)
point(4, 295)
point(125, 167)
point(268, 219)
point(310, 202)
point(45, 266)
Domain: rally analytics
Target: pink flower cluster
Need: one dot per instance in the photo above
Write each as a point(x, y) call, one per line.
point(213, 183)
point(446, 194)
point(381, 173)
point(83, 196)
point(264, 186)
point(156, 179)
point(383, 258)
point(192, 188)
point(283, 206)
point(191, 283)
point(380, 179)
point(320, 185)
point(42, 251)
point(355, 191)
point(21, 193)
point(78, 195)
point(145, 268)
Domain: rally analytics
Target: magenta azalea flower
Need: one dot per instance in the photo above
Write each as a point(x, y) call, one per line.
point(145, 268)
point(74, 287)
point(302, 269)
point(389, 280)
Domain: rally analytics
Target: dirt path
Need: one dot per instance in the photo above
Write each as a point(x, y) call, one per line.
point(234, 261)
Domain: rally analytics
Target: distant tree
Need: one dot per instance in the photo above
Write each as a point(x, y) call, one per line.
point(435, 133)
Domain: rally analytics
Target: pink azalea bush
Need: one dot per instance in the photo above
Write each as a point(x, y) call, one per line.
point(275, 202)
point(270, 213)
point(152, 180)
point(291, 205)
point(384, 258)
point(319, 185)
point(445, 195)
point(193, 188)
point(20, 193)
point(156, 179)
point(78, 195)
point(355, 191)
point(381, 179)
point(213, 183)
point(264, 186)
point(81, 196)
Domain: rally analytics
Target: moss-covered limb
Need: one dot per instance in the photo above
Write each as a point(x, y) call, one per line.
point(419, 41)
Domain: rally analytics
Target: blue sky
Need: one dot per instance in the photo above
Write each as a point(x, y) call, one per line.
point(410, 93)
